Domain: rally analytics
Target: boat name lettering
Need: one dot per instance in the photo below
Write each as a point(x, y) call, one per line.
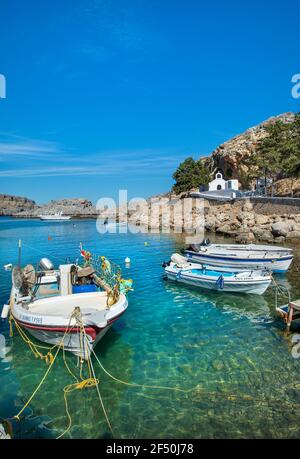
point(35, 320)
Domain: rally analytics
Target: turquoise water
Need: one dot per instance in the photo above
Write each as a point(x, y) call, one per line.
point(230, 350)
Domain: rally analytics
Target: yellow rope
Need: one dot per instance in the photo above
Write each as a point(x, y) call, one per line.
point(33, 347)
point(50, 359)
point(91, 381)
point(198, 390)
point(38, 387)
point(178, 389)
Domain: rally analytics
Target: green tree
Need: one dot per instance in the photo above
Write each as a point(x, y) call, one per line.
point(291, 152)
point(190, 174)
point(278, 154)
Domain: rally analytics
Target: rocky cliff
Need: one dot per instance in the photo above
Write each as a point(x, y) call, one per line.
point(15, 204)
point(74, 206)
point(230, 156)
point(25, 208)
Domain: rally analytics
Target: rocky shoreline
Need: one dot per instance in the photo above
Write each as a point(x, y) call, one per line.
point(19, 207)
point(241, 219)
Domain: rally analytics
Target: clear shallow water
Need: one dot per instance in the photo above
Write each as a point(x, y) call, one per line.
point(231, 347)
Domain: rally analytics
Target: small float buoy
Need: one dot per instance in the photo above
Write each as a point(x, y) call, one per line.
point(127, 262)
point(8, 267)
point(146, 243)
point(49, 238)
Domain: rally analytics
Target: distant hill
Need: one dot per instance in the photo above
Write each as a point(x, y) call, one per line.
point(14, 204)
point(24, 207)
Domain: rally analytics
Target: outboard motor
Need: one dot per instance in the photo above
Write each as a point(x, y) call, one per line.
point(194, 247)
point(46, 264)
point(205, 242)
point(166, 263)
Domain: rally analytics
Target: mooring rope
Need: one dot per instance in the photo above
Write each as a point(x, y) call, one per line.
point(92, 381)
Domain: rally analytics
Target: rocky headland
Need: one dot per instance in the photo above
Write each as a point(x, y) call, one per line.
point(20, 207)
point(232, 156)
point(10, 205)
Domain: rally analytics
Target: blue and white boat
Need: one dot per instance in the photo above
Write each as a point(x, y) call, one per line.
point(239, 257)
point(181, 270)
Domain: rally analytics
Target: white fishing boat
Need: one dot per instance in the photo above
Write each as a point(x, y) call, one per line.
point(73, 305)
point(180, 269)
point(241, 257)
point(58, 216)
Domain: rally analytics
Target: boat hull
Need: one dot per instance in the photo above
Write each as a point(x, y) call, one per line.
point(274, 264)
point(54, 219)
point(53, 328)
point(256, 286)
point(72, 341)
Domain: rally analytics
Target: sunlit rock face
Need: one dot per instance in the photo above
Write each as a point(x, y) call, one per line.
point(231, 156)
point(13, 204)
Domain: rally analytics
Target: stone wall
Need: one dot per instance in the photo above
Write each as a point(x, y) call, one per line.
point(269, 206)
point(248, 221)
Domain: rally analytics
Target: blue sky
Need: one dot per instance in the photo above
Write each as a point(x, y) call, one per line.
point(110, 94)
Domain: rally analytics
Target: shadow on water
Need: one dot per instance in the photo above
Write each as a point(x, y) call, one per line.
point(46, 416)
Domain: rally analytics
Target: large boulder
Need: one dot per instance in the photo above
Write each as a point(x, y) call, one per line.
point(262, 233)
point(225, 229)
point(246, 218)
point(247, 207)
point(262, 219)
point(281, 228)
point(210, 223)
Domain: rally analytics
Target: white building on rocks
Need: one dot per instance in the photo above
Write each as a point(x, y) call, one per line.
point(220, 184)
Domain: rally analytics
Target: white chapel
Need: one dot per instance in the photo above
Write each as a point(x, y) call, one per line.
point(220, 184)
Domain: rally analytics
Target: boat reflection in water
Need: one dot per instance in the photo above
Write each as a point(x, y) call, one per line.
point(252, 307)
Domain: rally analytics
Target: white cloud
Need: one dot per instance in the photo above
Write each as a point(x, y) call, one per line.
point(19, 146)
point(23, 157)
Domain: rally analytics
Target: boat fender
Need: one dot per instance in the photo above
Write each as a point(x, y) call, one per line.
point(5, 311)
point(220, 282)
point(178, 275)
point(8, 267)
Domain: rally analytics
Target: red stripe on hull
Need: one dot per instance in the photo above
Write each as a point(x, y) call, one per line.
point(91, 331)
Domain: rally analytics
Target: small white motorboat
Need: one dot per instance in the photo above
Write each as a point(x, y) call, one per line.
point(73, 304)
point(58, 216)
point(181, 270)
point(239, 257)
